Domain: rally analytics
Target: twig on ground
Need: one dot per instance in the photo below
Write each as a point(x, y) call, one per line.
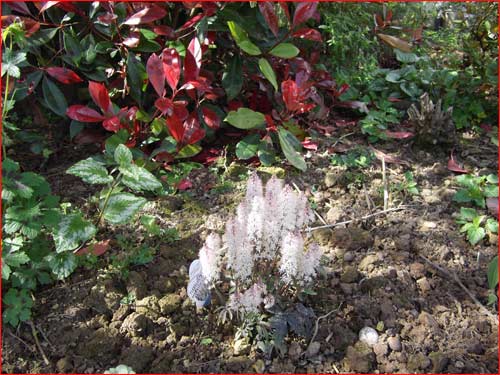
point(386, 189)
point(400, 208)
point(452, 275)
point(35, 336)
point(21, 341)
point(316, 326)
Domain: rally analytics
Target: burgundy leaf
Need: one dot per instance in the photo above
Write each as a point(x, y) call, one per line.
point(454, 166)
point(149, 14)
point(63, 75)
point(96, 249)
point(112, 124)
point(165, 105)
point(210, 118)
point(82, 113)
point(209, 8)
point(290, 94)
point(20, 7)
point(303, 12)
point(156, 74)
point(171, 66)
point(184, 184)
point(398, 135)
point(309, 145)
point(47, 5)
point(192, 61)
point(132, 40)
point(165, 31)
point(309, 34)
point(107, 18)
point(192, 130)
point(180, 110)
point(378, 20)
point(267, 10)
point(176, 128)
point(193, 21)
point(100, 96)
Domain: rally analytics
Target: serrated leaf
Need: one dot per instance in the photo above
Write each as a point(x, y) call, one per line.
point(475, 234)
point(62, 265)
point(123, 155)
point(139, 179)
point(491, 191)
point(288, 144)
point(15, 259)
point(268, 72)
point(462, 196)
point(122, 207)
point(91, 171)
point(245, 118)
point(467, 213)
point(248, 146)
point(72, 232)
point(491, 225)
point(285, 51)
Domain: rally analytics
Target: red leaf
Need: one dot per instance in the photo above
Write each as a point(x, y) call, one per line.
point(454, 167)
point(309, 145)
point(210, 118)
point(112, 124)
point(176, 128)
point(388, 18)
point(149, 14)
point(284, 6)
point(132, 40)
point(290, 94)
point(192, 21)
point(192, 130)
point(309, 34)
point(184, 184)
point(271, 126)
point(398, 135)
point(47, 5)
point(192, 61)
point(96, 249)
point(100, 96)
point(156, 74)
point(492, 204)
point(63, 75)
point(82, 113)
point(171, 66)
point(107, 18)
point(165, 31)
point(165, 105)
point(267, 10)
point(303, 12)
point(378, 20)
point(20, 7)
point(180, 110)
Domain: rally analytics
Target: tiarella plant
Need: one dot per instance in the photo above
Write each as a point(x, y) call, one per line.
point(264, 254)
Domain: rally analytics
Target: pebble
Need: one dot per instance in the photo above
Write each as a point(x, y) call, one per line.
point(424, 284)
point(348, 256)
point(459, 364)
point(313, 349)
point(368, 335)
point(395, 344)
point(380, 349)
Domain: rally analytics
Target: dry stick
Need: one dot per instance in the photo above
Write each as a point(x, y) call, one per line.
point(400, 208)
point(452, 275)
point(316, 326)
point(386, 190)
point(35, 336)
point(21, 341)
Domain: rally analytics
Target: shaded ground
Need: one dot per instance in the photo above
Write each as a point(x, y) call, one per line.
point(374, 276)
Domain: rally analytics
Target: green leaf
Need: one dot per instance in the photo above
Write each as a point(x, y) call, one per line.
point(11, 61)
point(72, 48)
point(492, 179)
point(285, 51)
point(491, 225)
point(232, 79)
point(406, 57)
point(42, 37)
point(248, 146)
point(122, 207)
point(266, 153)
point(116, 139)
point(268, 72)
point(15, 259)
point(393, 76)
point(75, 128)
point(462, 196)
point(17, 306)
point(289, 146)
point(467, 213)
point(62, 265)
point(139, 179)
point(250, 48)
point(493, 273)
point(72, 232)
point(245, 118)
point(491, 191)
point(475, 234)
point(91, 171)
point(188, 151)
point(123, 156)
point(54, 98)
point(136, 77)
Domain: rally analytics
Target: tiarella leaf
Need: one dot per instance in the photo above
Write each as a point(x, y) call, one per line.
point(91, 171)
point(139, 179)
point(72, 232)
point(123, 156)
point(122, 207)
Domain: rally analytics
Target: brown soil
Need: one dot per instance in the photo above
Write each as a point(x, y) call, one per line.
point(374, 276)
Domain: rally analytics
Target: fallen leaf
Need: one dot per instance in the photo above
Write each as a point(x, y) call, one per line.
point(184, 184)
point(454, 167)
point(398, 135)
point(387, 157)
point(96, 249)
point(309, 145)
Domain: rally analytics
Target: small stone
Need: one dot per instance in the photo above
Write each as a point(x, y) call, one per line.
point(294, 351)
point(322, 236)
point(424, 284)
point(417, 270)
point(137, 357)
point(368, 335)
point(136, 325)
point(428, 320)
point(64, 365)
point(366, 261)
point(331, 179)
point(395, 344)
point(459, 364)
point(259, 366)
point(360, 357)
point(148, 306)
point(350, 275)
point(380, 349)
point(313, 349)
point(348, 256)
point(334, 214)
point(169, 303)
point(121, 313)
point(439, 361)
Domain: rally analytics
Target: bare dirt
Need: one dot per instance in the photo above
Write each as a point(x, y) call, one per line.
point(375, 274)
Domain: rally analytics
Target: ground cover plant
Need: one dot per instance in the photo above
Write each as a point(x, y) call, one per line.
point(249, 187)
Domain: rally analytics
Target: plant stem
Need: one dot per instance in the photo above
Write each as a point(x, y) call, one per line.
point(108, 195)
